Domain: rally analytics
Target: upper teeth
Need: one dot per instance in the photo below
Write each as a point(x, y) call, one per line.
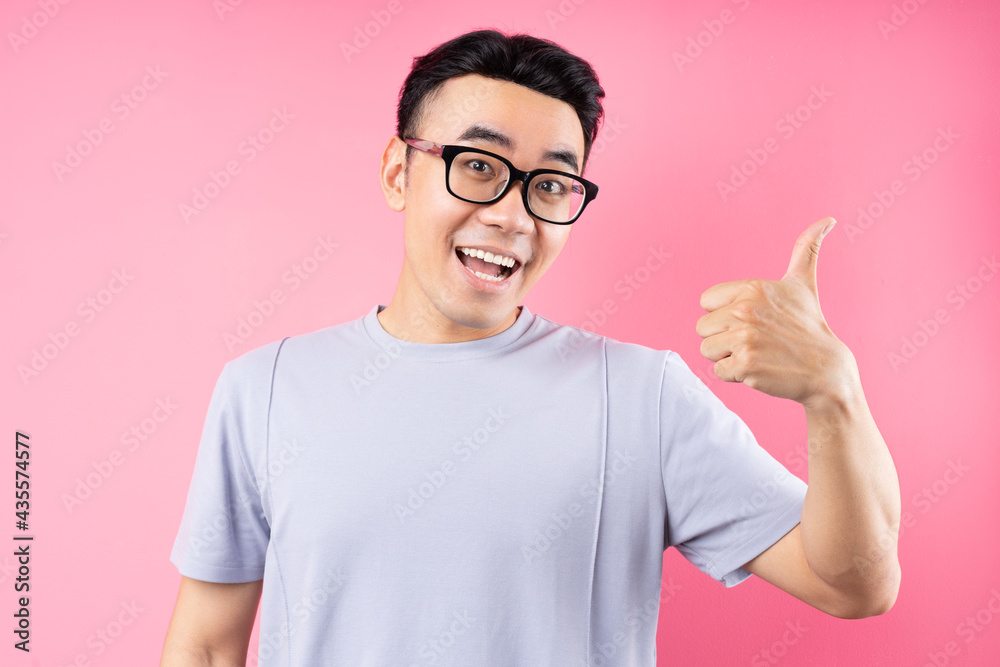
point(489, 257)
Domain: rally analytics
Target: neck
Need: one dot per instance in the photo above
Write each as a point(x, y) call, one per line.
point(429, 325)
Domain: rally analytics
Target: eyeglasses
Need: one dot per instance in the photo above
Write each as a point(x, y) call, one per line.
point(481, 177)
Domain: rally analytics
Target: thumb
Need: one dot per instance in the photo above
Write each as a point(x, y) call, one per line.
point(802, 265)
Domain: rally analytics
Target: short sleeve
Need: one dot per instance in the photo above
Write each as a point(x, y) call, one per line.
point(727, 498)
point(224, 533)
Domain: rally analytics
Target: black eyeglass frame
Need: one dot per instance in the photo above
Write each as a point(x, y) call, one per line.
point(448, 152)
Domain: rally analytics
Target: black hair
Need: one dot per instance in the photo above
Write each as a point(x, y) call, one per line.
point(534, 63)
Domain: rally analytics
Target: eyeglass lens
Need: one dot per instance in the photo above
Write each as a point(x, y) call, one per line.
point(550, 196)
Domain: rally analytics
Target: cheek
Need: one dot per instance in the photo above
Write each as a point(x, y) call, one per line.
point(430, 223)
point(429, 195)
point(552, 240)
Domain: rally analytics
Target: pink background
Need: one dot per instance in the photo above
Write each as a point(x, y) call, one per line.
point(673, 132)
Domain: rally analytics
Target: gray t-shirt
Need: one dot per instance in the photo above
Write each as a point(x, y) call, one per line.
point(504, 501)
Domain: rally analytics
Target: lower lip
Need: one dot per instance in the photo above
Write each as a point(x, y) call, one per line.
point(485, 285)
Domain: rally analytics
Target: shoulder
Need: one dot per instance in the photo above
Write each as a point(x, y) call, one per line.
point(258, 364)
point(680, 388)
point(631, 362)
point(252, 368)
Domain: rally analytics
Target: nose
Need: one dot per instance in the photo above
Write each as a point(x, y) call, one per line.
point(509, 211)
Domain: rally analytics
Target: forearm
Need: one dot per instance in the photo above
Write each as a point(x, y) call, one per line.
point(850, 518)
point(175, 655)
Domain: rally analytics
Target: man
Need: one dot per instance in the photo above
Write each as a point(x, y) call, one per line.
point(454, 480)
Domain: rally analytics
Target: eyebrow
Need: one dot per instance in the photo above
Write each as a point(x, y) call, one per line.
point(480, 132)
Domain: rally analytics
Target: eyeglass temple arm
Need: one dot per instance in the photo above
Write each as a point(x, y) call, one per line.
point(424, 145)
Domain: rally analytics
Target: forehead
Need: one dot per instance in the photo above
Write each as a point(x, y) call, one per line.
point(535, 122)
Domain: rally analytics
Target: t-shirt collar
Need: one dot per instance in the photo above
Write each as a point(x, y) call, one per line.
point(446, 351)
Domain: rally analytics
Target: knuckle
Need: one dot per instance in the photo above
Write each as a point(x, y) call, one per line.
point(745, 311)
point(744, 357)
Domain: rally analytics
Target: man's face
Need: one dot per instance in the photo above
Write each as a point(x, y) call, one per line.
point(436, 287)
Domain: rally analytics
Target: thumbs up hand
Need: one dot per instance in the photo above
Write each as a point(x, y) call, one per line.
point(771, 335)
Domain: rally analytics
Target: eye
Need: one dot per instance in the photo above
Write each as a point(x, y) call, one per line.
point(551, 187)
point(480, 166)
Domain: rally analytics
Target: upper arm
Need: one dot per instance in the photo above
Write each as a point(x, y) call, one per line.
point(726, 497)
point(784, 565)
point(211, 621)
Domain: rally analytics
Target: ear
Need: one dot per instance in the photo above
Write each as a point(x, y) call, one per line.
point(392, 176)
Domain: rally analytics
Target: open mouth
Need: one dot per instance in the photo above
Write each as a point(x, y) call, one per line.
point(486, 265)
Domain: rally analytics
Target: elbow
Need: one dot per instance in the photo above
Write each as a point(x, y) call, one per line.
point(873, 606)
point(874, 598)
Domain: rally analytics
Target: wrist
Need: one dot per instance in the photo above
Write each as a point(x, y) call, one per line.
point(841, 393)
